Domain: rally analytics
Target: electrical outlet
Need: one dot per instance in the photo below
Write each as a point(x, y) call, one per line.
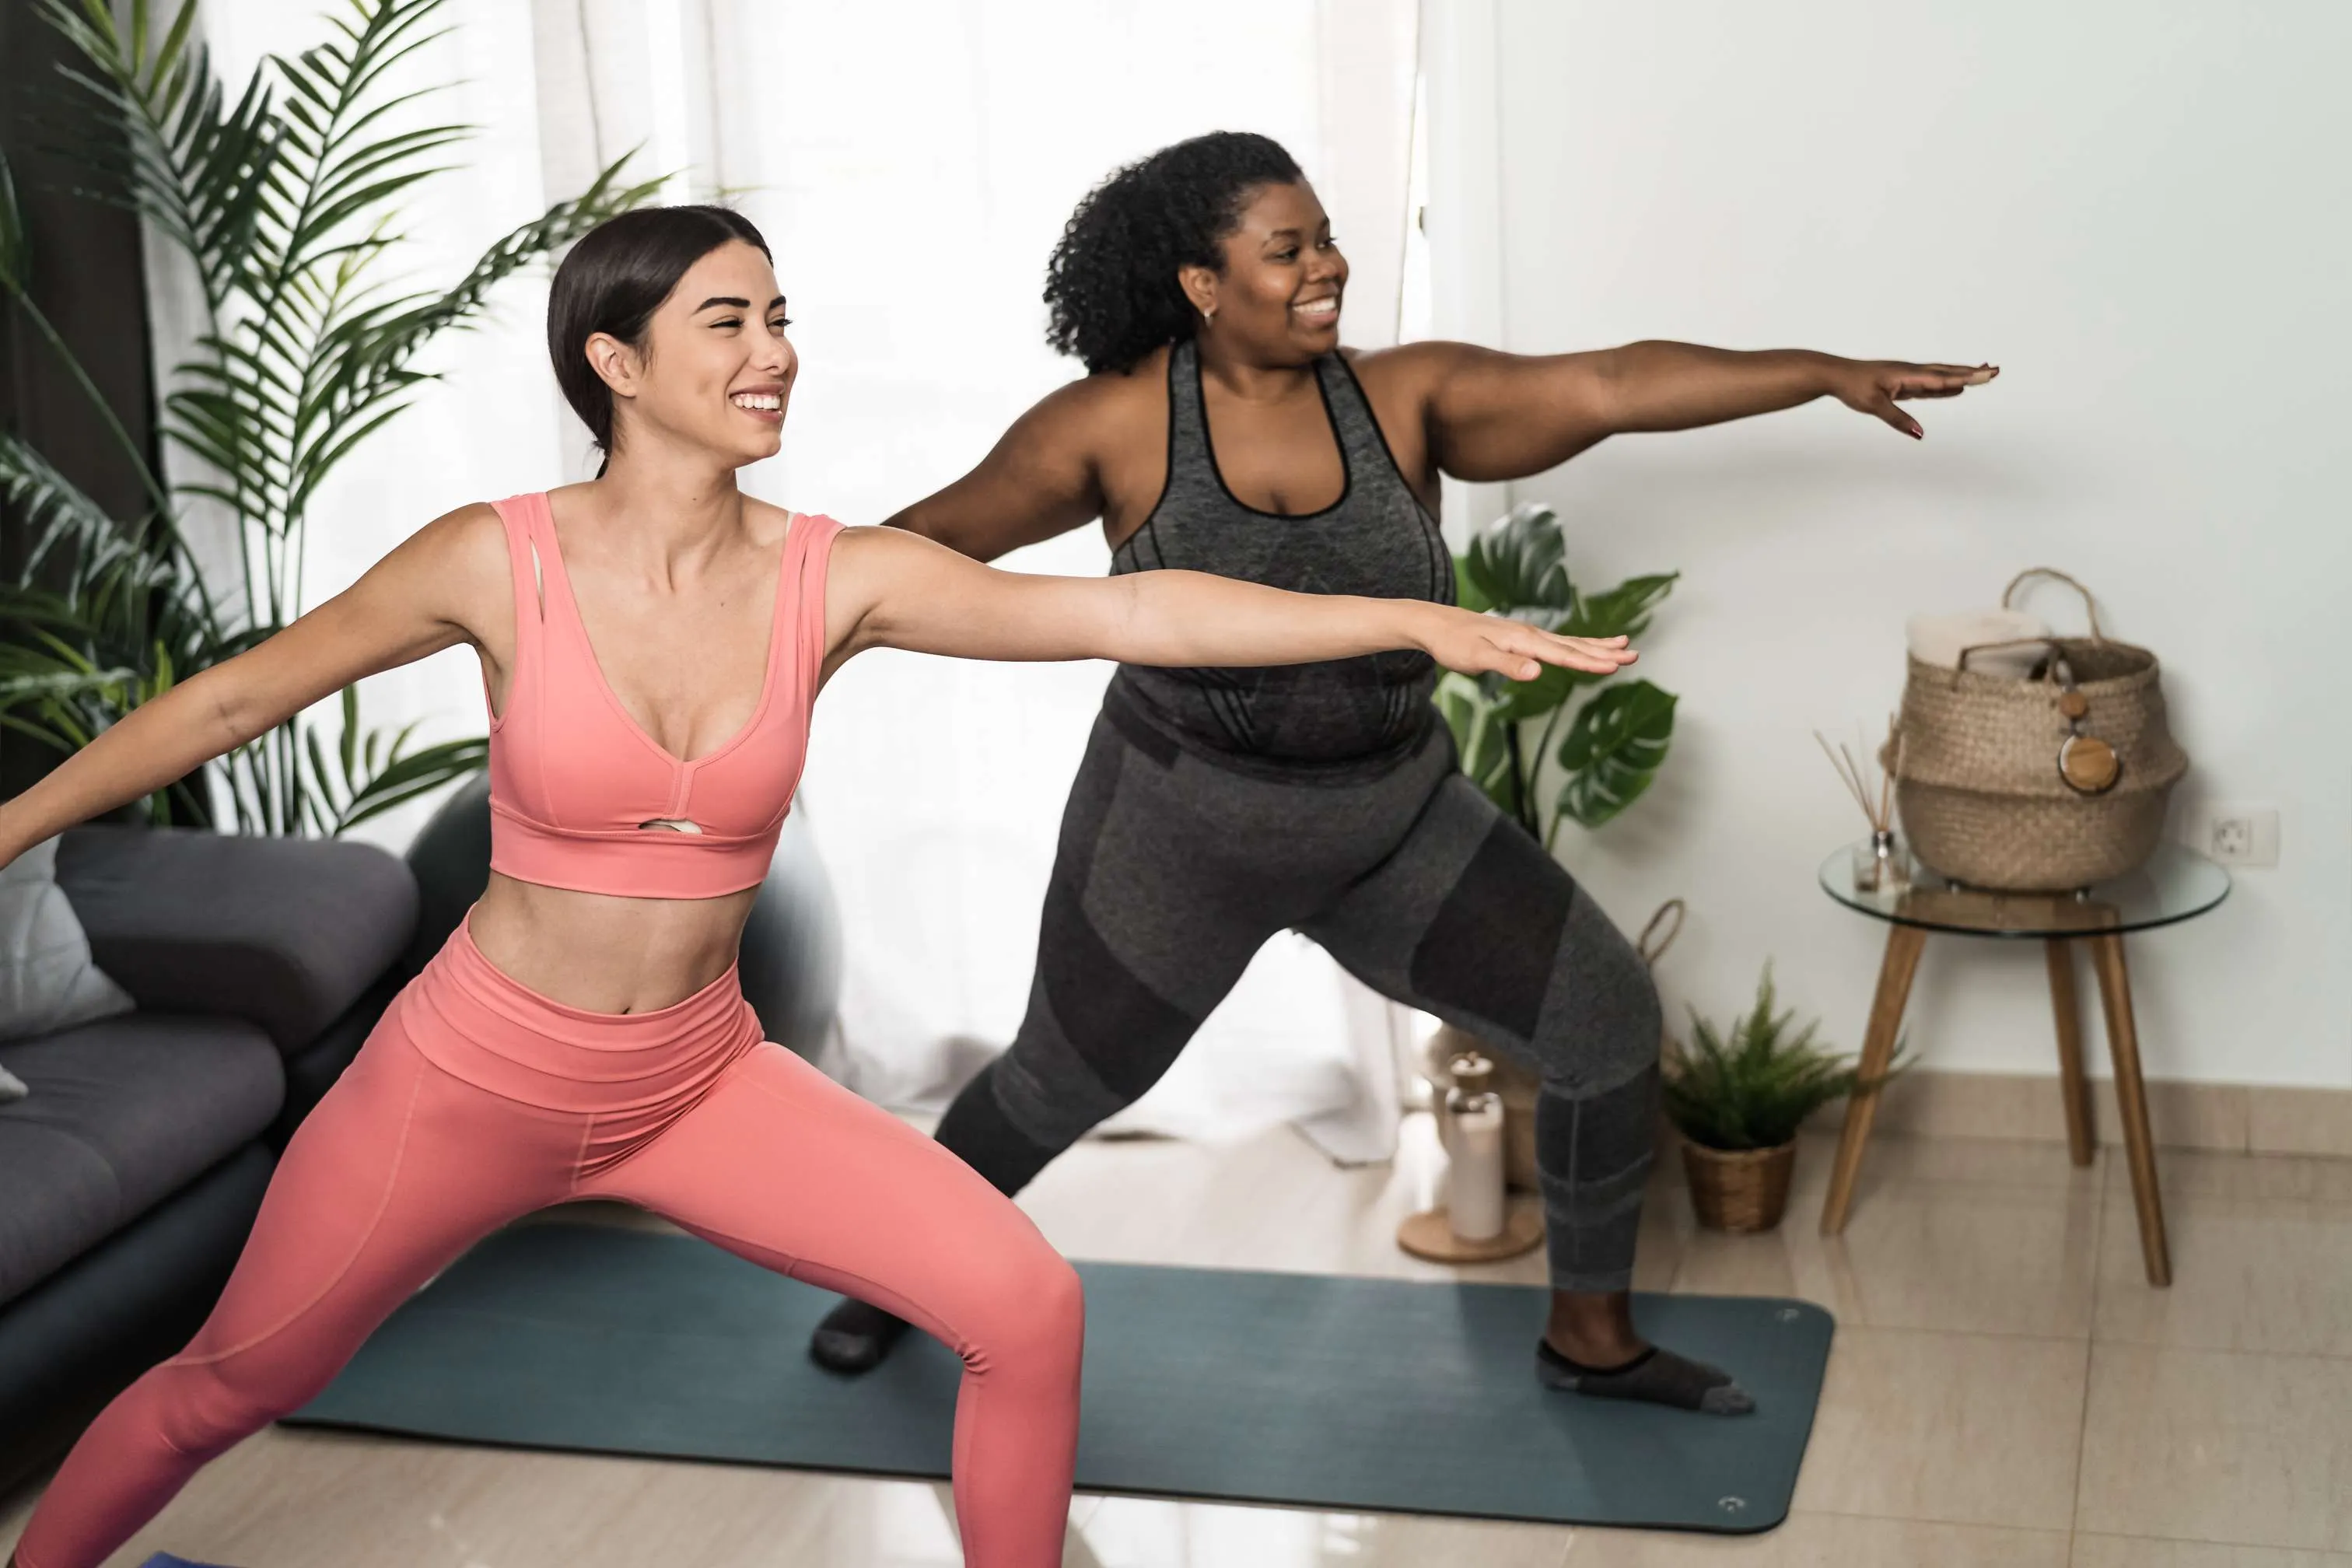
point(2242, 835)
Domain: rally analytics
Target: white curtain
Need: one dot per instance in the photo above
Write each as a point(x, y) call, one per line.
point(911, 165)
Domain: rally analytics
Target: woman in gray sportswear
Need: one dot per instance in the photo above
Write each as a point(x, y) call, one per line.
point(1220, 427)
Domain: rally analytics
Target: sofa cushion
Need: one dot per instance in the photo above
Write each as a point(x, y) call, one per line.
point(47, 980)
point(285, 932)
point(123, 1112)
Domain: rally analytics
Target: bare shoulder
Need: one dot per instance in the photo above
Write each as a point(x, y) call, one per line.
point(867, 559)
point(1410, 369)
point(768, 522)
point(863, 565)
point(1103, 409)
point(472, 535)
point(460, 548)
point(865, 548)
point(456, 569)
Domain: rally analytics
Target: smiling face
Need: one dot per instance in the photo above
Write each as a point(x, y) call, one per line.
point(1277, 300)
point(716, 369)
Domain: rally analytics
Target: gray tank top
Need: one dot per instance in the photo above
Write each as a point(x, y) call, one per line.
point(1377, 539)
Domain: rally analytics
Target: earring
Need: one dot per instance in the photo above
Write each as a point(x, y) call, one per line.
point(1208, 314)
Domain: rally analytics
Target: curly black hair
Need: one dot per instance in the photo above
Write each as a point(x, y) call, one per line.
point(1111, 284)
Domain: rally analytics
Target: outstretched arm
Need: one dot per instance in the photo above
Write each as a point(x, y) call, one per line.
point(1493, 415)
point(891, 589)
point(1036, 482)
point(411, 603)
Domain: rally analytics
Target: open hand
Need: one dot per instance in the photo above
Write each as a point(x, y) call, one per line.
point(1874, 386)
point(1474, 644)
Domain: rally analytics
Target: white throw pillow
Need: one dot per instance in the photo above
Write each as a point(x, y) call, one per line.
point(47, 982)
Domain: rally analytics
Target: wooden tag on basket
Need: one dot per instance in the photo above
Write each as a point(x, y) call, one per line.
point(2088, 765)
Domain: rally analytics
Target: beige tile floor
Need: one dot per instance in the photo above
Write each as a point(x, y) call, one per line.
point(2005, 1389)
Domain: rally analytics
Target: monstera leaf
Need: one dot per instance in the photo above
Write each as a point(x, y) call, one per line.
point(1518, 568)
point(1623, 611)
point(1613, 751)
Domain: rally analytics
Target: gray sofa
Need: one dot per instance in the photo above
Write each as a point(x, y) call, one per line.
point(130, 1174)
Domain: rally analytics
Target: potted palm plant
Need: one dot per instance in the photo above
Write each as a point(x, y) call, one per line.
point(1737, 1100)
point(285, 198)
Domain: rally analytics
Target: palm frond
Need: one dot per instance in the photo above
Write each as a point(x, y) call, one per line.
point(52, 506)
point(170, 143)
point(368, 772)
point(286, 197)
point(15, 252)
point(1755, 1087)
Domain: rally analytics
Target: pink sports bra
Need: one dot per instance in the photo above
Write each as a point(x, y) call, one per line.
point(581, 797)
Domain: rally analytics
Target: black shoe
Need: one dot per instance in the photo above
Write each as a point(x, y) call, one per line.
point(853, 1338)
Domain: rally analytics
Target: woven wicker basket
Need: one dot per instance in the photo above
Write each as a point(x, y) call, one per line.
point(1741, 1190)
point(1977, 776)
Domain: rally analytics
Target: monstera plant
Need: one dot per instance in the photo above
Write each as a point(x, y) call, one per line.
point(285, 201)
point(1605, 735)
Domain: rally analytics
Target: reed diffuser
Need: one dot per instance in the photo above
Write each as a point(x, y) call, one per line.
point(1880, 866)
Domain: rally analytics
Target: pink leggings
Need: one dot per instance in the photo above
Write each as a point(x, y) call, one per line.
point(478, 1100)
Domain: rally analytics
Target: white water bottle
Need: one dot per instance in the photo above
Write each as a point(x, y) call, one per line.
point(1474, 1204)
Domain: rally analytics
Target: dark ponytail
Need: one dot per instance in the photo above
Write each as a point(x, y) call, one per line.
point(613, 280)
point(1112, 285)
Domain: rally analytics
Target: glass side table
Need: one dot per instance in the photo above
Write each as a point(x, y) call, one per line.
point(2176, 884)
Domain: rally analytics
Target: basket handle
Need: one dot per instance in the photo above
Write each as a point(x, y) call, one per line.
point(2089, 603)
point(1652, 946)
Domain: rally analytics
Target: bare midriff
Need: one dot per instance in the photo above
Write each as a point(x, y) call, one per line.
point(605, 953)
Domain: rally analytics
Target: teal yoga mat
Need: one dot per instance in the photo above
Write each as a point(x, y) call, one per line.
point(1301, 1389)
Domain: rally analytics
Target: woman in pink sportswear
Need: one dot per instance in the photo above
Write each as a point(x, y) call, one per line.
point(651, 644)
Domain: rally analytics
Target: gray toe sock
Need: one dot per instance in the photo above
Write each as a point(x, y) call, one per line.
point(1659, 1376)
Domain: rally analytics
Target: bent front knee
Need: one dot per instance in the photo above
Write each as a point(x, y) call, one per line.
point(1035, 1313)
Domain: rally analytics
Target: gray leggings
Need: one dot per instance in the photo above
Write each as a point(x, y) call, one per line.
point(1173, 871)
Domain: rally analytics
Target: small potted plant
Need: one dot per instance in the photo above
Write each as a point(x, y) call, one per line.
point(1737, 1103)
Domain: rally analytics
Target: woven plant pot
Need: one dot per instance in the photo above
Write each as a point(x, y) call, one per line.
point(1976, 769)
point(1738, 1190)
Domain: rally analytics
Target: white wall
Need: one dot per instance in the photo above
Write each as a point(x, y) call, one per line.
point(2140, 212)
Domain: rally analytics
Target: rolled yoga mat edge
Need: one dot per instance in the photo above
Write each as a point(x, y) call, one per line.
point(1312, 1390)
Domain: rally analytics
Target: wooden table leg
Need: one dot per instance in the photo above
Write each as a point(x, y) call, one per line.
point(2131, 1098)
point(1903, 944)
point(2080, 1144)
